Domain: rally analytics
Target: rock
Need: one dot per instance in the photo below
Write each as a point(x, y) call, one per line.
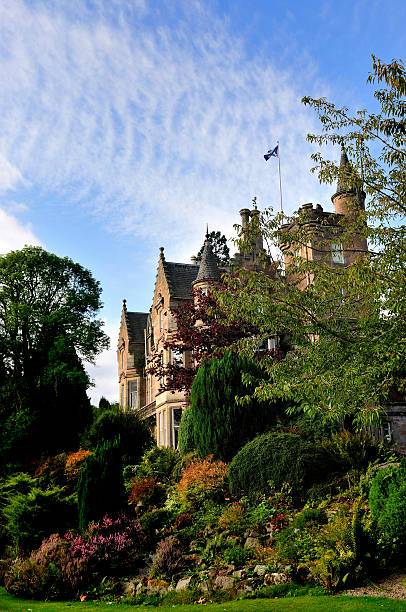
point(161, 587)
point(183, 583)
point(240, 574)
point(260, 570)
point(275, 578)
point(204, 586)
point(226, 571)
point(129, 587)
point(223, 583)
point(251, 533)
point(244, 587)
point(251, 542)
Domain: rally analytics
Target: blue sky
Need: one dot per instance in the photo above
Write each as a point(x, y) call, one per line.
point(128, 124)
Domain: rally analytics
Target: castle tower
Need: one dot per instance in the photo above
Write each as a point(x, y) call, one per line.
point(349, 201)
point(209, 272)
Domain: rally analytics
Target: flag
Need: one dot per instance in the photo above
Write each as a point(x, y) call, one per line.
point(272, 153)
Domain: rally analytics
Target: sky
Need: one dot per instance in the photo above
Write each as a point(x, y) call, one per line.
point(126, 125)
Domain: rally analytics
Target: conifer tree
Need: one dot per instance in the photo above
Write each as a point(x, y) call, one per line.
point(101, 486)
point(223, 412)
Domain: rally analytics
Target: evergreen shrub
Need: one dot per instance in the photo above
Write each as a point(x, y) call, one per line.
point(273, 459)
point(224, 412)
point(38, 514)
point(128, 427)
point(101, 487)
point(387, 502)
point(186, 434)
point(159, 463)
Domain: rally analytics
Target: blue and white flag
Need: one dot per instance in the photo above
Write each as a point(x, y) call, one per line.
point(272, 153)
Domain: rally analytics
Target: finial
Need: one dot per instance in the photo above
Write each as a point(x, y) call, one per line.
point(124, 304)
point(207, 231)
point(161, 254)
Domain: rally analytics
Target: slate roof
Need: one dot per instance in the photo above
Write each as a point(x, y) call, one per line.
point(180, 277)
point(343, 183)
point(136, 323)
point(208, 269)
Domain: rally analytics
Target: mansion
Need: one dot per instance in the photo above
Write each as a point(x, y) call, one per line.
point(144, 335)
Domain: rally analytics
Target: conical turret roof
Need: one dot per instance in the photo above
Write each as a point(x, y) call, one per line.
point(208, 269)
point(343, 183)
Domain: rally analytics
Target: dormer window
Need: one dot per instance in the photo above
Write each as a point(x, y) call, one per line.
point(337, 252)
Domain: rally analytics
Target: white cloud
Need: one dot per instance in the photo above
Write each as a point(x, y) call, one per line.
point(13, 234)
point(155, 128)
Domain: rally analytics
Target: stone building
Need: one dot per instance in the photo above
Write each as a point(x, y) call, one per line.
point(143, 335)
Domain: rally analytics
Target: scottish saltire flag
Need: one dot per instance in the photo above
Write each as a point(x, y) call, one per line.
point(272, 153)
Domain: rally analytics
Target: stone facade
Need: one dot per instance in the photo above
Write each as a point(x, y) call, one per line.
point(143, 335)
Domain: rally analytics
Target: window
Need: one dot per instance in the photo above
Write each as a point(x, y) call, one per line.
point(204, 291)
point(149, 382)
point(176, 357)
point(122, 396)
point(267, 345)
point(161, 320)
point(337, 252)
point(133, 394)
point(164, 439)
point(176, 416)
point(122, 358)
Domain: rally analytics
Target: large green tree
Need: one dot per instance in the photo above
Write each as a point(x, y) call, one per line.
point(48, 326)
point(356, 314)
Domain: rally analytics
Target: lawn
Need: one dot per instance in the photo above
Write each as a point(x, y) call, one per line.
point(300, 604)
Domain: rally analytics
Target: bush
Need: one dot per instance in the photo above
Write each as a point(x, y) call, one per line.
point(159, 463)
point(74, 465)
point(186, 439)
point(63, 566)
point(224, 413)
point(131, 430)
point(276, 458)
point(168, 558)
point(387, 501)
point(311, 516)
point(146, 492)
point(351, 451)
point(101, 486)
point(202, 481)
point(32, 517)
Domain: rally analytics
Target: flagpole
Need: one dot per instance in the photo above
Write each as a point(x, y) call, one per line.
point(279, 172)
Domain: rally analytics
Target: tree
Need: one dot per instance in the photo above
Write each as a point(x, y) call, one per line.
point(347, 327)
point(221, 424)
point(48, 325)
point(220, 249)
point(202, 331)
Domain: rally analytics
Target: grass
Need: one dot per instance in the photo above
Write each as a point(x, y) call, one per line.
point(288, 604)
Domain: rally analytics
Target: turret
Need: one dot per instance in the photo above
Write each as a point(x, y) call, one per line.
point(347, 199)
point(208, 270)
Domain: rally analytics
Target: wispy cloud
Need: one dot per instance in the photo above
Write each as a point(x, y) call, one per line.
point(152, 117)
point(104, 372)
point(14, 234)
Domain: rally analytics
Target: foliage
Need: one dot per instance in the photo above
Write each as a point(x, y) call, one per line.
point(168, 558)
point(238, 555)
point(146, 492)
point(128, 427)
point(37, 514)
point(276, 458)
point(62, 566)
point(220, 249)
point(224, 414)
point(351, 450)
point(387, 502)
point(201, 332)
point(101, 487)
point(154, 522)
point(356, 312)
point(186, 439)
point(47, 325)
point(75, 463)
point(160, 463)
point(203, 480)
point(325, 551)
point(232, 517)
